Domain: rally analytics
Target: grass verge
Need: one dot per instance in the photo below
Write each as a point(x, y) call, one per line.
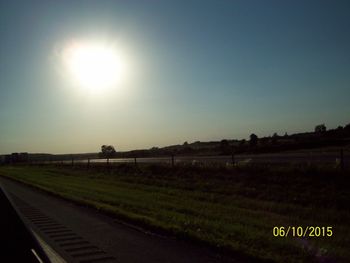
point(233, 209)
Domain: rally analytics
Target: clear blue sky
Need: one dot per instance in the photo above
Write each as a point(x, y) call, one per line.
point(200, 70)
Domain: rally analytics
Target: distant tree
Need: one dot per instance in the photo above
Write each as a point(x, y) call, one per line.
point(154, 150)
point(224, 143)
point(241, 147)
point(185, 143)
point(321, 128)
point(274, 138)
point(347, 127)
point(264, 140)
point(225, 146)
point(285, 134)
point(107, 151)
point(253, 140)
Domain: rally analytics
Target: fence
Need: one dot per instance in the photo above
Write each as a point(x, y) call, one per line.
point(339, 159)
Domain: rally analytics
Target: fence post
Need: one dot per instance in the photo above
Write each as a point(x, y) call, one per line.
point(233, 159)
point(342, 159)
point(88, 163)
point(172, 161)
point(135, 162)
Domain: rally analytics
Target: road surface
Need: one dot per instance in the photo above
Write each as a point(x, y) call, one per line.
point(80, 234)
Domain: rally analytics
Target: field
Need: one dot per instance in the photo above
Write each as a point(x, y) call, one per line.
point(233, 209)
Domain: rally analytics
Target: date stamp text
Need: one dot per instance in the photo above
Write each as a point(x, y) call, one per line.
point(299, 231)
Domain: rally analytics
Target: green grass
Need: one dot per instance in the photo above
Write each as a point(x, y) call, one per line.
point(233, 209)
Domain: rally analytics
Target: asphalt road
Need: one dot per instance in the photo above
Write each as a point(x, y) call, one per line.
point(80, 234)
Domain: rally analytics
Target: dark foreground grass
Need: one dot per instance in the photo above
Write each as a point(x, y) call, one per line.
point(233, 209)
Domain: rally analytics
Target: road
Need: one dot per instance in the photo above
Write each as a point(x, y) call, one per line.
point(80, 234)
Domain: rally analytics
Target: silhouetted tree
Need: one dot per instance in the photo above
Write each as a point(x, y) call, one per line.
point(321, 128)
point(253, 140)
point(274, 138)
point(347, 127)
point(225, 146)
point(241, 146)
point(107, 151)
point(264, 141)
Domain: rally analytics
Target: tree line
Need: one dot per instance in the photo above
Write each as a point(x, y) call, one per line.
point(320, 137)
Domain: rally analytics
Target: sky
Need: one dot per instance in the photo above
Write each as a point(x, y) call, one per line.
point(194, 70)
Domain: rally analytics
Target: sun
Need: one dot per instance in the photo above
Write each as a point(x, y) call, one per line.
point(95, 66)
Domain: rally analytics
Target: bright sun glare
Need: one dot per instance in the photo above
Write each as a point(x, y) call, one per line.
point(93, 66)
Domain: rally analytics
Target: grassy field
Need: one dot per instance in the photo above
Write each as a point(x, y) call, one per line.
point(233, 209)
